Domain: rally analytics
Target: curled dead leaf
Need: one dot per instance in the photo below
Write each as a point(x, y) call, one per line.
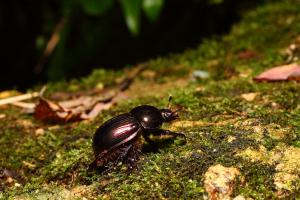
point(280, 73)
point(46, 110)
point(49, 111)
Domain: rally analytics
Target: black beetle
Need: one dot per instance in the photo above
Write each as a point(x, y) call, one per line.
point(119, 139)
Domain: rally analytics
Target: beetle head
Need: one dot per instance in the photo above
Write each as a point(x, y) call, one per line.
point(169, 115)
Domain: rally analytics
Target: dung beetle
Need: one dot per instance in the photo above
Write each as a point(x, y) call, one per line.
point(119, 139)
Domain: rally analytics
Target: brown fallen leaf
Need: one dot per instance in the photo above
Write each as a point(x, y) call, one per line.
point(280, 73)
point(83, 107)
point(46, 110)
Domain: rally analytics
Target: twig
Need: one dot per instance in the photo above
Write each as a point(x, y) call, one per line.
point(128, 80)
point(24, 105)
point(97, 109)
point(18, 98)
point(87, 101)
point(52, 43)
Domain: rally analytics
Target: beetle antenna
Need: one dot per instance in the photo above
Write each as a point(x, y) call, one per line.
point(169, 101)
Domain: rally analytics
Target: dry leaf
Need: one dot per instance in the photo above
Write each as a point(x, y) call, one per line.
point(70, 111)
point(82, 107)
point(46, 110)
point(280, 73)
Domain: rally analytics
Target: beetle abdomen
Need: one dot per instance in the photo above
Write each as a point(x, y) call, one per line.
point(115, 132)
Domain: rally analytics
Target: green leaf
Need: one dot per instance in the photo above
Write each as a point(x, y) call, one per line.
point(96, 7)
point(132, 12)
point(152, 8)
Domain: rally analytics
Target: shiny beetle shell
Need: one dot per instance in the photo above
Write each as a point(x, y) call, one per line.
point(148, 116)
point(115, 132)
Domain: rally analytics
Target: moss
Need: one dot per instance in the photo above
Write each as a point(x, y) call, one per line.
point(259, 179)
point(221, 125)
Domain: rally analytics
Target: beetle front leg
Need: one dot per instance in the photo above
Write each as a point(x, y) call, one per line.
point(162, 132)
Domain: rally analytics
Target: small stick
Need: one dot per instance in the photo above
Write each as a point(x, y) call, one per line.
point(52, 43)
point(18, 98)
point(24, 105)
point(125, 84)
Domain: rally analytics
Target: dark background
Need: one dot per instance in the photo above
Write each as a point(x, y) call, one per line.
point(93, 41)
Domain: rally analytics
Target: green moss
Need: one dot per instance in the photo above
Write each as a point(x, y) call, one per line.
point(219, 122)
point(259, 179)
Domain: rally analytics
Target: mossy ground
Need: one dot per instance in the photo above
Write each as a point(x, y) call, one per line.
point(257, 135)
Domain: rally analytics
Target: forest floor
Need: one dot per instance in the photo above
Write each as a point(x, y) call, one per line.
point(243, 137)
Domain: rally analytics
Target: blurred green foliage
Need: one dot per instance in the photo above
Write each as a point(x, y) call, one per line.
point(131, 8)
point(132, 11)
point(96, 7)
point(91, 33)
point(87, 26)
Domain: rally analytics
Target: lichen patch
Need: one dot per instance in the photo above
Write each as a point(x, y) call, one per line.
point(219, 181)
point(288, 170)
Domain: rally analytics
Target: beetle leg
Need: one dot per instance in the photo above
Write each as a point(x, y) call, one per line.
point(121, 156)
point(152, 145)
point(133, 155)
point(162, 132)
point(147, 138)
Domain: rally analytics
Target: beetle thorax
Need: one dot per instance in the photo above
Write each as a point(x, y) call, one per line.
point(148, 116)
